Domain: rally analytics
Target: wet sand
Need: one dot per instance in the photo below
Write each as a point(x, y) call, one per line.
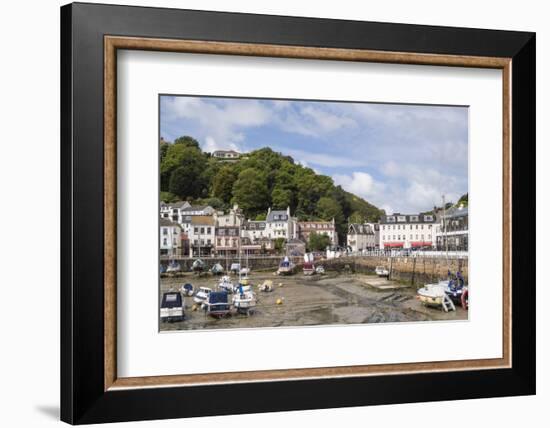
point(312, 300)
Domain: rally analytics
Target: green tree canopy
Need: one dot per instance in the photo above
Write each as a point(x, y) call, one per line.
point(250, 192)
point(318, 242)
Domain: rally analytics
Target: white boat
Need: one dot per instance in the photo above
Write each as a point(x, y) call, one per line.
point(435, 295)
point(320, 270)
point(381, 271)
point(244, 299)
point(226, 284)
point(266, 286)
point(187, 289)
point(173, 267)
point(171, 307)
point(286, 267)
point(245, 271)
point(202, 295)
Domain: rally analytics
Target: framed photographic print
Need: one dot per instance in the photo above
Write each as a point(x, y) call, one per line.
point(292, 213)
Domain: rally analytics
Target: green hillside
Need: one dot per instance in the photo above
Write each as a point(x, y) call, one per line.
point(261, 179)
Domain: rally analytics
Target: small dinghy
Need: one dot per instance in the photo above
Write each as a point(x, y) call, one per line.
point(162, 268)
point(244, 299)
point(173, 267)
point(382, 272)
point(217, 305)
point(320, 270)
point(235, 268)
point(171, 307)
point(435, 295)
point(187, 289)
point(266, 286)
point(202, 295)
point(225, 284)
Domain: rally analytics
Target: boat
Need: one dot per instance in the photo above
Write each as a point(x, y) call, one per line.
point(382, 272)
point(202, 295)
point(434, 295)
point(197, 266)
point(162, 268)
point(187, 289)
point(286, 267)
point(217, 269)
point(245, 271)
point(173, 267)
point(320, 270)
point(456, 288)
point(225, 284)
point(217, 304)
point(244, 280)
point(309, 268)
point(235, 268)
point(266, 286)
point(244, 299)
point(171, 307)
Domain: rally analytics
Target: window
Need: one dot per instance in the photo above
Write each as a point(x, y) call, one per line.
point(164, 242)
point(209, 242)
point(202, 229)
point(164, 231)
point(414, 218)
point(401, 218)
point(209, 230)
point(196, 230)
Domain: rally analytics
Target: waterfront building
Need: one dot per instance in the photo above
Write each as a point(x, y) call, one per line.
point(227, 240)
point(328, 228)
point(170, 238)
point(407, 231)
point(452, 230)
point(202, 234)
point(173, 210)
point(234, 217)
point(254, 230)
point(362, 236)
point(280, 224)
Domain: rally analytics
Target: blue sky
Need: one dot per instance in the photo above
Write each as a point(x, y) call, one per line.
point(399, 157)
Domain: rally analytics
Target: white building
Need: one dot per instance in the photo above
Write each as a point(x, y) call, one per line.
point(362, 236)
point(173, 210)
point(234, 217)
point(254, 230)
point(170, 238)
point(407, 231)
point(452, 230)
point(202, 235)
point(280, 224)
point(226, 154)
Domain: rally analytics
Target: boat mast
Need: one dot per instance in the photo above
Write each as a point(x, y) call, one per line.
point(445, 233)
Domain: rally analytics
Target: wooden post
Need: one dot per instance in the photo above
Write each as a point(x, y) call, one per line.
point(414, 270)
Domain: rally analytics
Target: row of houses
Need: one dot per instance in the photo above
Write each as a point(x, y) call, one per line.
point(442, 231)
point(198, 230)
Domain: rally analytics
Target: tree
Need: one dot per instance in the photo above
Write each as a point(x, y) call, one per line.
point(187, 179)
point(178, 155)
point(222, 184)
point(356, 217)
point(187, 141)
point(281, 198)
point(279, 244)
point(250, 192)
point(318, 242)
point(168, 197)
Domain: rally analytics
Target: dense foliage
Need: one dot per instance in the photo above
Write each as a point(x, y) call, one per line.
point(257, 181)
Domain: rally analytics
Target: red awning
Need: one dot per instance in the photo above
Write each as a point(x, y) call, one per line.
point(421, 244)
point(393, 244)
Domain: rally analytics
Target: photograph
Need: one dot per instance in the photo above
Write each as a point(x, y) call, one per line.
point(283, 212)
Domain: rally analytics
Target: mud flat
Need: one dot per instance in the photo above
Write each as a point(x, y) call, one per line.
point(316, 300)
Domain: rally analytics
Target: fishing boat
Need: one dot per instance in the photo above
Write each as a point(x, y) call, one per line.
point(235, 268)
point(320, 270)
point(217, 269)
point(197, 266)
point(435, 295)
point(244, 299)
point(286, 267)
point(381, 271)
point(171, 307)
point(202, 295)
point(173, 267)
point(456, 288)
point(162, 268)
point(187, 289)
point(225, 284)
point(309, 269)
point(217, 304)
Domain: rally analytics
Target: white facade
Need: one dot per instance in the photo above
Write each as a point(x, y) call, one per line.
point(280, 224)
point(407, 231)
point(362, 236)
point(170, 238)
point(202, 235)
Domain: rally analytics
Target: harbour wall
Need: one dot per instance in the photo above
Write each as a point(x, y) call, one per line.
point(415, 271)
